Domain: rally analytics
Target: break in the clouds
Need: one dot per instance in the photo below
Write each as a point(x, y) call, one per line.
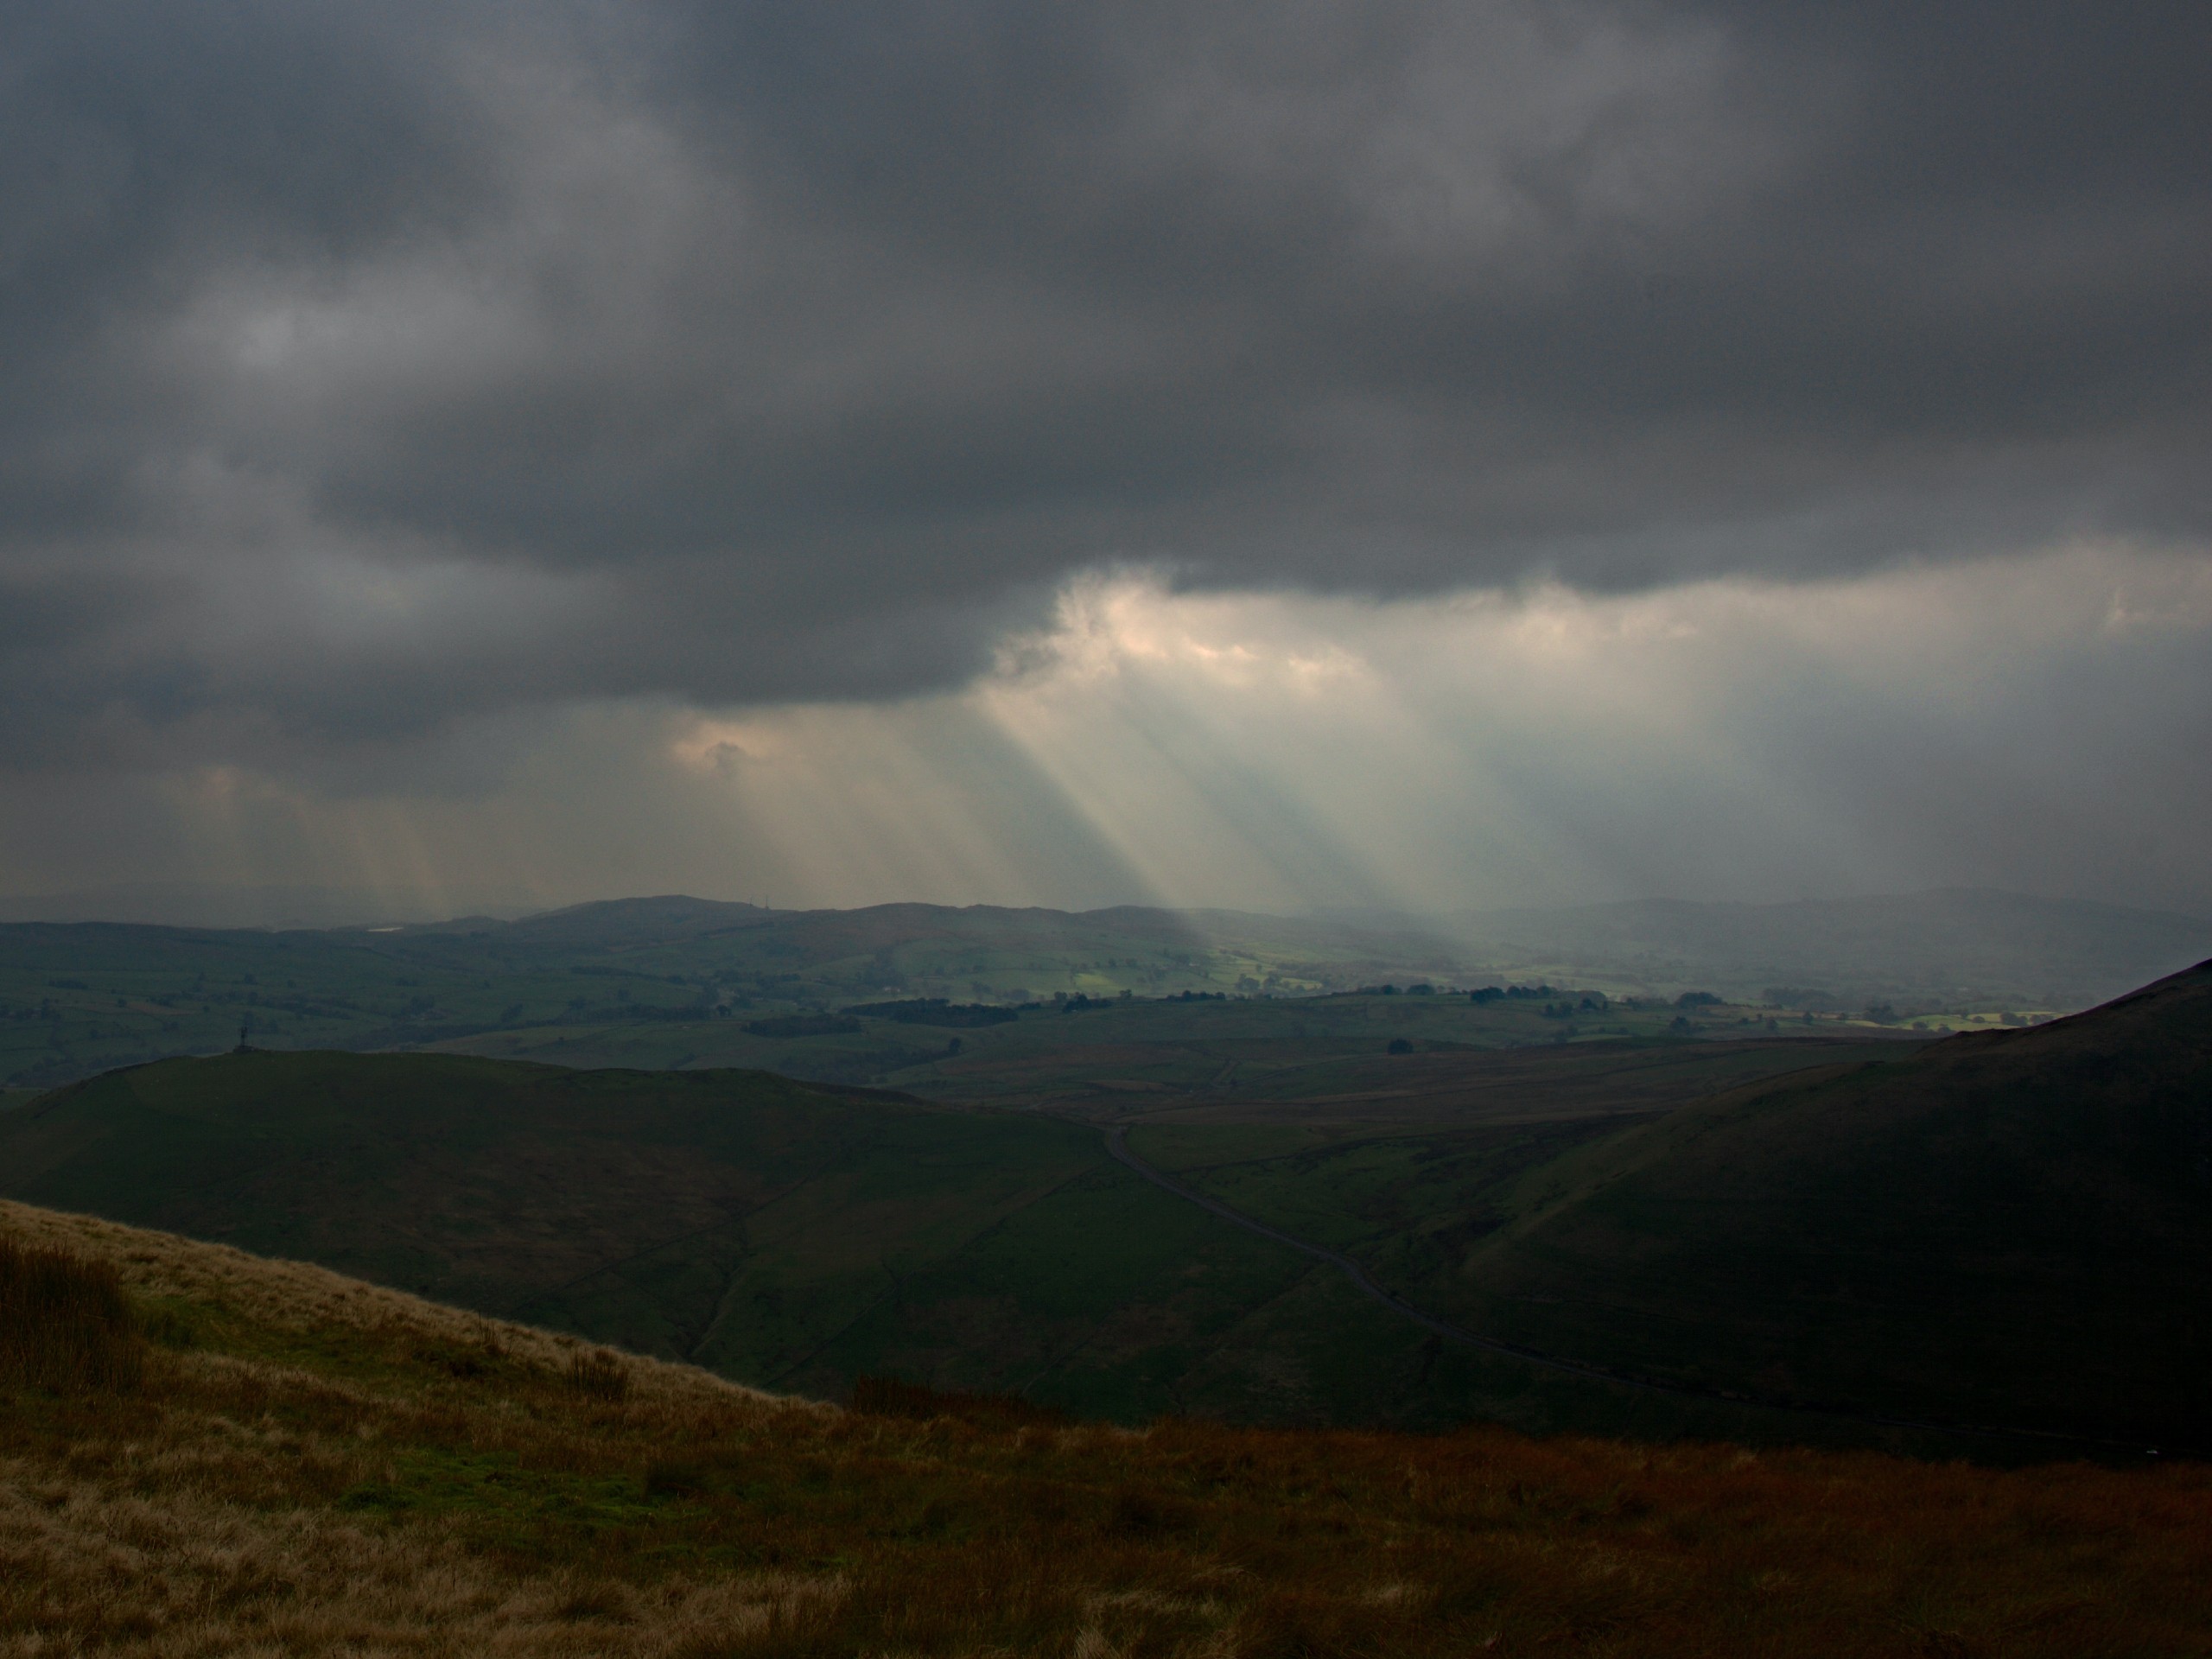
point(382, 386)
point(2034, 724)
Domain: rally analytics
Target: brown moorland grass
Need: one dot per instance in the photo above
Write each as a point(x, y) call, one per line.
point(308, 1464)
point(65, 1322)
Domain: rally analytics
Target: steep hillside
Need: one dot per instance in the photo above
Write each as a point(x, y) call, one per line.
point(2004, 1227)
point(778, 1234)
point(296, 1463)
point(773, 1231)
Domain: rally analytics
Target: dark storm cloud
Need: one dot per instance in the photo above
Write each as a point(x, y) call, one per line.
point(364, 366)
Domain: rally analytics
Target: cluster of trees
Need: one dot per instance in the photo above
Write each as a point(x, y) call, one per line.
point(1510, 994)
point(803, 1024)
point(1564, 1010)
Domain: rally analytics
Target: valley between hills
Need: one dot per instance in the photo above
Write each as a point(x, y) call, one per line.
point(1660, 1287)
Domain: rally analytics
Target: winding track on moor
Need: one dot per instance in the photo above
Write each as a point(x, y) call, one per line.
point(1116, 1136)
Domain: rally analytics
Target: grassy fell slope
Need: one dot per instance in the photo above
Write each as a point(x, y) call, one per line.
point(311, 1464)
point(2010, 1227)
point(792, 1237)
point(777, 1233)
point(735, 1218)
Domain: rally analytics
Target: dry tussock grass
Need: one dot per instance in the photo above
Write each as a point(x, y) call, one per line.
point(65, 1321)
point(83, 1569)
point(300, 1298)
point(337, 1469)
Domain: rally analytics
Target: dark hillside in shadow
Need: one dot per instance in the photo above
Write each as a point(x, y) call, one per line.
point(2005, 1227)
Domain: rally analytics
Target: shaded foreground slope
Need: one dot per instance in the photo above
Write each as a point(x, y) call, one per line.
point(2011, 1228)
point(313, 1465)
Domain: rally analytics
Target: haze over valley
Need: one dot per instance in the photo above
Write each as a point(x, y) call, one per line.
point(841, 996)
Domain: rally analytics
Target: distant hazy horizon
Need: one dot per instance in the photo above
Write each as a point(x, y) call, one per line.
point(220, 907)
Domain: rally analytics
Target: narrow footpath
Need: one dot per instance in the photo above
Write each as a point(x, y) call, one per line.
point(1117, 1144)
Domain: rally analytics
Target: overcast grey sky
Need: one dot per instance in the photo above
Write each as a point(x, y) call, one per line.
point(423, 427)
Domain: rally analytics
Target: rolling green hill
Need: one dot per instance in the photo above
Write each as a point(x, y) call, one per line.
point(787, 1235)
point(774, 1231)
point(2004, 1227)
point(780, 1234)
